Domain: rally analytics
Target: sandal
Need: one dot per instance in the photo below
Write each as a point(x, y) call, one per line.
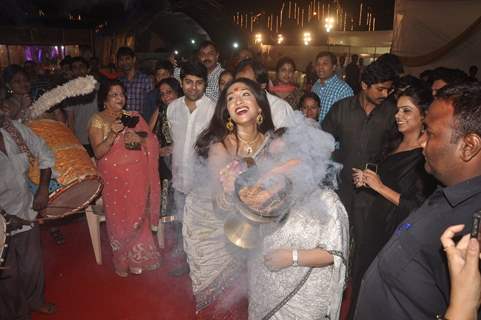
point(57, 236)
point(46, 308)
point(123, 274)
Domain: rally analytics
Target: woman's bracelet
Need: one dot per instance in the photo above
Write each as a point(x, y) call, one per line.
point(295, 257)
point(112, 135)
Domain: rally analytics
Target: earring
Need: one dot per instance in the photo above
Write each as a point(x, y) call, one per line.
point(259, 119)
point(229, 125)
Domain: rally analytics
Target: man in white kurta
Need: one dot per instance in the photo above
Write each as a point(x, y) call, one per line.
point(188, 116)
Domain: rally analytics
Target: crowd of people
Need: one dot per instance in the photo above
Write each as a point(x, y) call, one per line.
point(283, 196)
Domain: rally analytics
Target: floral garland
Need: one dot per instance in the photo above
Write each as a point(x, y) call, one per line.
point(76, 87)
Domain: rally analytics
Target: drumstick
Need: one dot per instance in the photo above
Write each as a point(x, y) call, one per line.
point(61, 207)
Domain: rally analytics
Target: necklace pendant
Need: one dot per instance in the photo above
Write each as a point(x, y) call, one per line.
point(249, 150)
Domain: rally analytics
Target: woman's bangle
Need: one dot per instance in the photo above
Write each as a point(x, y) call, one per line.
point(112, 135)
point(295, 257)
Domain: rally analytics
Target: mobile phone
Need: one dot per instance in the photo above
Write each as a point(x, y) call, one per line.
point(475, 225)
point(371, 166)
point(129, 121)
point(142, 134)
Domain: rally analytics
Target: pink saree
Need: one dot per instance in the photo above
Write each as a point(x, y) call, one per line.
point(131, 198)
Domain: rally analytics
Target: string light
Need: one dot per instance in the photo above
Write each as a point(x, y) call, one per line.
point(329, 24)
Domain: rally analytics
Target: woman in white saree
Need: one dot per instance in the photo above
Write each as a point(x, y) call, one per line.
point(299, 269)
point(239, 128)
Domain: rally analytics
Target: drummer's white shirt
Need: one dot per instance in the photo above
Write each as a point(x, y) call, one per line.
point(185, 127)
point(15, 195)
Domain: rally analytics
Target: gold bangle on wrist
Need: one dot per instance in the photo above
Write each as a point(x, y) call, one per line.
point(108, 137)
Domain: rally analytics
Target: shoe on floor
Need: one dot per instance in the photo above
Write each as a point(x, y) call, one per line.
point(46, 308)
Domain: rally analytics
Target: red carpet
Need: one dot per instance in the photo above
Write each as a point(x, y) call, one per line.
point(82, 290)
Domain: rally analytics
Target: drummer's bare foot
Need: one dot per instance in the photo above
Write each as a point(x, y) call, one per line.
point(46, 308)
point(57, 235)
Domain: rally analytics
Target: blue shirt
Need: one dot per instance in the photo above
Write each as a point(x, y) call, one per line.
point(333, 90)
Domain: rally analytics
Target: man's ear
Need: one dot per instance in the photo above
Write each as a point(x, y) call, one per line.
point(364, 86)
point(471, 147)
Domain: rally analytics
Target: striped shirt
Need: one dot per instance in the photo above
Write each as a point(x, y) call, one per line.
point(136, 90)
point(333, 90)
point(212, 90)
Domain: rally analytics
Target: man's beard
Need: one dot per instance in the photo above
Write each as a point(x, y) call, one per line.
point(193, 97)
point(375, 102)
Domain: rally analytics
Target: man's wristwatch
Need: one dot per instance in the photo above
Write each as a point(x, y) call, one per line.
point(295, 258)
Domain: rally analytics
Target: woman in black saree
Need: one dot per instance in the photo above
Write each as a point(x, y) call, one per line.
point(401, 184)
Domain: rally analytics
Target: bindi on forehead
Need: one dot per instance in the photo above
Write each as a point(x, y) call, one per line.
point(237, 88)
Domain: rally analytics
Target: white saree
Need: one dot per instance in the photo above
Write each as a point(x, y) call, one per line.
point(215, 264)
point(319, 222)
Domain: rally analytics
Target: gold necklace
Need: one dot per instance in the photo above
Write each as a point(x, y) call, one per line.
point(113, 114)
point(250, 144)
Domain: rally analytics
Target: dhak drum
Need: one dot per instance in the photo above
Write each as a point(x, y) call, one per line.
point(78, 183)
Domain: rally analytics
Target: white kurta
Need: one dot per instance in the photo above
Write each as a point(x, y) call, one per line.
point(185, 127)
point(281, 111)
point(214, 262)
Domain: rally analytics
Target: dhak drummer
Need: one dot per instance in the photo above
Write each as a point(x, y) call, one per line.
point(22, 280)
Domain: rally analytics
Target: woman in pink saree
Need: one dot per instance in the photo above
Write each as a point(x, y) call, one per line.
point(127, 160)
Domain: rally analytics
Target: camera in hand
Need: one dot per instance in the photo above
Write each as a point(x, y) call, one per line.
point(129, 121)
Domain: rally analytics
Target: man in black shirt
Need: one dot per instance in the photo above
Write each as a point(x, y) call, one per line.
point(409, 279)
point(360, 124)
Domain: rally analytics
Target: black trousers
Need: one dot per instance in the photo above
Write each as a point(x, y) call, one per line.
point(360, 255)
point(22, 282)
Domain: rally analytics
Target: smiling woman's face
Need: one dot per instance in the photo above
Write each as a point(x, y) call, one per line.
point(408, 117)
point(242, 104)
point(167, 94)
point(115, 99)
point(285, 74)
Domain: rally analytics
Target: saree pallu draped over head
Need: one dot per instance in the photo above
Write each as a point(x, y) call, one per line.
point(131, 198)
